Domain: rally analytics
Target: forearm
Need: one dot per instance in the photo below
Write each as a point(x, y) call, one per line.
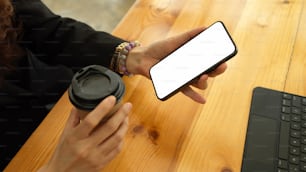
point(58, 40)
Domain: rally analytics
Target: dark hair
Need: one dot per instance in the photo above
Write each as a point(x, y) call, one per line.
point(10, 30)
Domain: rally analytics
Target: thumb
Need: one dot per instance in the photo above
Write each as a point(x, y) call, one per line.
point(162, 48)
point(182, 38)
point(72, 122)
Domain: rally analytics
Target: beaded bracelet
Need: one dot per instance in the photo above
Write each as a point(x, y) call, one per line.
point(120, 56)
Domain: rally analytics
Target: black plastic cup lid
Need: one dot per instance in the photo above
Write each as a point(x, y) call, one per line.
point(92, 84)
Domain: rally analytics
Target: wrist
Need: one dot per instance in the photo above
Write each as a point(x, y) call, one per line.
point(135, 61)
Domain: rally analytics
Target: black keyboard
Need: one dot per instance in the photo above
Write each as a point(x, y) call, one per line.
point(276, 134)
point(292, 147)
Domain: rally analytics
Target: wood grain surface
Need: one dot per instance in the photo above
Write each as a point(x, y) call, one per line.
point(179, 135)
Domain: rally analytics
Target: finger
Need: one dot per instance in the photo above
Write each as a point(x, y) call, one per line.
point(99, 160)
point(113, 142)
point(92, 120)
point(201, 82)
point(186, 36)
point(170, 44)
point(72, 122)
point(111, 126)
point(219, 70)
point(75, 119)
point(189, 92)
point(106, 151)
point(182, 38)
point(105, 159)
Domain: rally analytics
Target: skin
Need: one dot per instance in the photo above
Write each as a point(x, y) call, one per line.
point(142, 58)
point(90, 145)
point(87, 144)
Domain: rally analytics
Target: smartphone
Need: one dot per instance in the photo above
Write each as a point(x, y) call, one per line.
point(200, 55)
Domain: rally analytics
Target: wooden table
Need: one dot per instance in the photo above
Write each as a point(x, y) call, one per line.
point(180, 135)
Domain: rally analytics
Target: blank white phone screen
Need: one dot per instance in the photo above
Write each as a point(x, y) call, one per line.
point(192, 59)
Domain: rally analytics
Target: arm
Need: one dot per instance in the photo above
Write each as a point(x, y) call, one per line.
point(62, 40)
point(58, 40)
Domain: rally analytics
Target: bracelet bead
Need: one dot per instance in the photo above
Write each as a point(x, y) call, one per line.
point(118, 63)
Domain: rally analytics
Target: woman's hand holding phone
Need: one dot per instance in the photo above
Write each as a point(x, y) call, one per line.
point(141, 59)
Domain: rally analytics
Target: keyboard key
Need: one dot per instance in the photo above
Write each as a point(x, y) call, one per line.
point(304, 101)
point(304, 117)
point(281, 170)
point(286, 109)
point(303, 131)
point(295, 142)
point(294, 159)
point(295, 110)
point(286, 102)
point(282, 164)
point(285, 117)
point(296, 101)
point(294, 168)
point(296, 118)
point(296, 126)
point(303, 157)
point(303, 166)
point(294, 151)
point(284, 140)
point(303, 148)
point(303, 140)
point(296, 134)
point(287, 96)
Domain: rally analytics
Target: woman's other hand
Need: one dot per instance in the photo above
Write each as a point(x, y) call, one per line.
point(89, 145)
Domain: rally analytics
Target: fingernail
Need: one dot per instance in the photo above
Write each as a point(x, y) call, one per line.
point(128, 106)
point(201, 100)
point(111, 98)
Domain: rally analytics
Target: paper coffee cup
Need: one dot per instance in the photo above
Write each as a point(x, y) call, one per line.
point(92, 84)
